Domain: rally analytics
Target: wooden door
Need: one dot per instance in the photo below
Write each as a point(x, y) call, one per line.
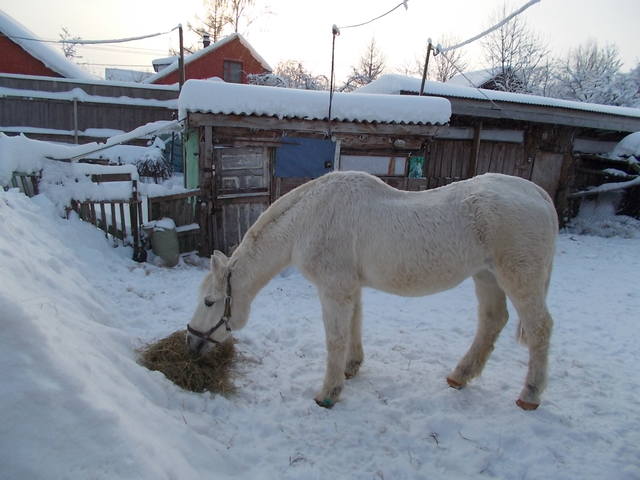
point(242, 179)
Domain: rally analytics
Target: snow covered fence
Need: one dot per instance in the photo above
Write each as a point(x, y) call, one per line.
point(115, 213)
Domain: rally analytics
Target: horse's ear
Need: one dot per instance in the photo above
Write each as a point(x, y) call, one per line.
point(219, 261)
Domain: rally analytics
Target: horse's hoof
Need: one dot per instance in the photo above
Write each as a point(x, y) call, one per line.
point(325, 403)
point(526, 405)
point(352, 369)
point(453, 384)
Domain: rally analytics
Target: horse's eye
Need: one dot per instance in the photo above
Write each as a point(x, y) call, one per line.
point(208, 303)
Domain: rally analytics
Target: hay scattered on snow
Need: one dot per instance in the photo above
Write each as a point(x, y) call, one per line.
point(210, 372)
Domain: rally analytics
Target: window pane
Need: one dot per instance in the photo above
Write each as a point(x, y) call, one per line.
point(232, 71)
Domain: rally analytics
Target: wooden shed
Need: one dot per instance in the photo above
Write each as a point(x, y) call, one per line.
point(537, 138)
point(247, 145)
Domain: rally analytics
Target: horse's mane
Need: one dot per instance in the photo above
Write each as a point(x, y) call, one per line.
point(277, 209)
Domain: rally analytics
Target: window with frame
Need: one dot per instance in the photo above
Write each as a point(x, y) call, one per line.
point(232, 71)
point(376, 165)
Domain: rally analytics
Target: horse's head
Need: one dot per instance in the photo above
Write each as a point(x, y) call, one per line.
point(211, 322)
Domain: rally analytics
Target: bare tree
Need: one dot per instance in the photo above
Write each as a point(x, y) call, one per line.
point(221, 16)
point(69, 44)
point(295, 75)
point(514, 53)
point(218, 17)
point(448, 65)
point(240, 9)
point(370, 67)
point(441, 68)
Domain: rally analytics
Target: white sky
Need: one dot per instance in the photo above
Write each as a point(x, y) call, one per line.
point(301, 30)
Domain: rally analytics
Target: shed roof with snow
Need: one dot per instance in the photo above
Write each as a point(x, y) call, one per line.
point(217, 97)
point(25, 53)
point(473, 102)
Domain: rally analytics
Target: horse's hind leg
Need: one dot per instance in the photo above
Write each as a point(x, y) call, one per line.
point(528, 292)
point(535, 332)
point(492, 317)
point(355, 354)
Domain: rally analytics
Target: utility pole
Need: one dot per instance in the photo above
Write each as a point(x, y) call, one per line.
point(426, 66)
point(181, 60)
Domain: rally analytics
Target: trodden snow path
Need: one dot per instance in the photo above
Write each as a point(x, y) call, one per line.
point(75, 404)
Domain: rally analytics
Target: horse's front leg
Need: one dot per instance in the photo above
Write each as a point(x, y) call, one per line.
point(337, 312)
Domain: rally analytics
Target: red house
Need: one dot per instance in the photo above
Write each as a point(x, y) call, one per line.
point(22, 52)
point(231, 59)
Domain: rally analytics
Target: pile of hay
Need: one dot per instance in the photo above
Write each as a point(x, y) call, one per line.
point(210, 372)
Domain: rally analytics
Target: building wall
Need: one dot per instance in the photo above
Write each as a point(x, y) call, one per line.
point(211, 65)
point(16, 60)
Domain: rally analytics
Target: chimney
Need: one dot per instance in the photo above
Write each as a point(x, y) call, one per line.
point(206, 40)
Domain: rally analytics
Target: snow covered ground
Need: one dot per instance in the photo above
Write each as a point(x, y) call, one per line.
point(74, 404)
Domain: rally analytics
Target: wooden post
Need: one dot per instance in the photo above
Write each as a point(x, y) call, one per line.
point(103, 220)
point(426, 67)
point(475, 151)
point(135, 224)
point(75, 120)
point(208, 184)
point(114, 223)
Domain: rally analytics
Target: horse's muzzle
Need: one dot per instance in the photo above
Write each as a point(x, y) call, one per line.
point(195, 345)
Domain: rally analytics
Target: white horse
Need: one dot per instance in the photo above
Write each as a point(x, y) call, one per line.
point(348, 230)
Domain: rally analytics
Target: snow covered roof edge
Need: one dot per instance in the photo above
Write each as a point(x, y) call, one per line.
point(395, 84)
point(238, 99)
point(214, 46)
point(53, 59)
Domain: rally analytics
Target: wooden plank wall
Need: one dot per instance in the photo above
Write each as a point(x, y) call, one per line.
point(447, 161)
point(18, 110)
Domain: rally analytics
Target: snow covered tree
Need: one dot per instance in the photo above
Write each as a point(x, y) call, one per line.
point(515, 53)
point(634, 77)
point(591, 73)
point(370, 67)
point(294, 73)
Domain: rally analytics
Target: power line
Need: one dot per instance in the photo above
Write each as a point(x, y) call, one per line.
point(115, 64)
point(406, 7)
point(117, 48)
point(79, 41)
point(489, 30)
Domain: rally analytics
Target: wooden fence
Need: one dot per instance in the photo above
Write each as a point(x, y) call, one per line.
point(27, 183)
point(112, 216)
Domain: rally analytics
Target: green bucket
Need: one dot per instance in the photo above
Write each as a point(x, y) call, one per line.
point(164, 240)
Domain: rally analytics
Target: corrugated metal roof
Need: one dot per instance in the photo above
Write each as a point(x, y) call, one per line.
point(396, 84)
point(218, 97)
